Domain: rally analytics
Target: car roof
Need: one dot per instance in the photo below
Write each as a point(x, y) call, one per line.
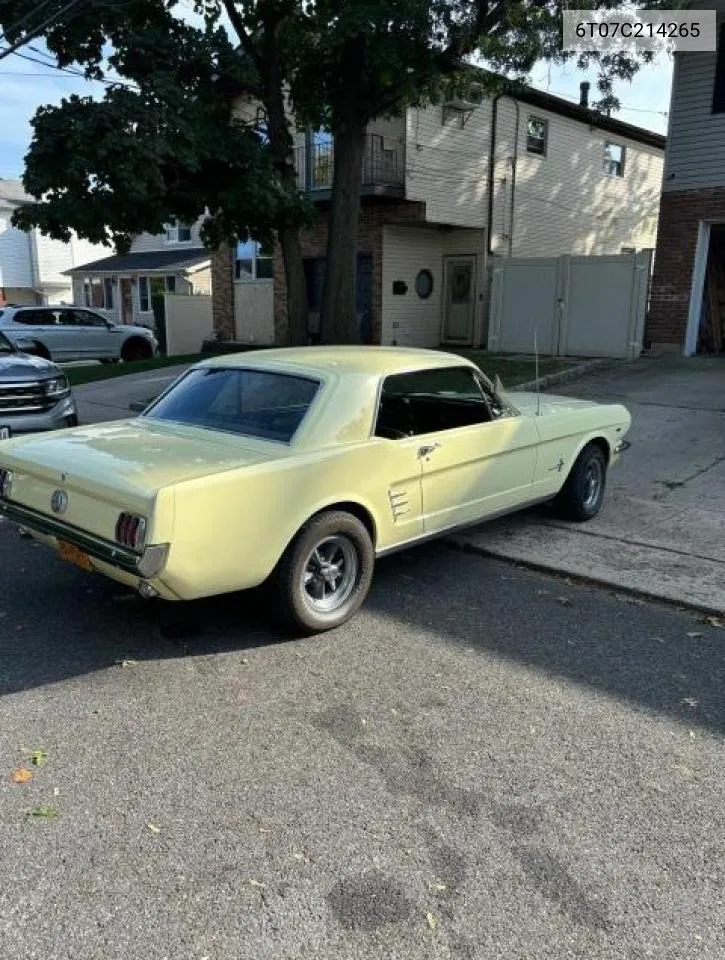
point(380, 361)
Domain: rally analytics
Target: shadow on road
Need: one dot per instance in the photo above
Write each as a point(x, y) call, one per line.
point(653, 656)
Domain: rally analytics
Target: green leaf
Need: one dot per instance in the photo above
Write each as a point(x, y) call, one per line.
point(38, 757)
point(44, 812)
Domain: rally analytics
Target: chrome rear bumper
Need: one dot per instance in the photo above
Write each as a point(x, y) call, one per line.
point(104, 550)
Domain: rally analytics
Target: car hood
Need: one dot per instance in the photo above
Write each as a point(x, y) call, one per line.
point(133, 328)
point(21, 366)
point(529, 403)
point(137, 457)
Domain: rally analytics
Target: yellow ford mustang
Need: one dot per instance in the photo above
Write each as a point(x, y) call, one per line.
point(303, 465)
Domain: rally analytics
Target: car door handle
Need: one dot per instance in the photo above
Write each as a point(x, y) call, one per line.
point(427, 449)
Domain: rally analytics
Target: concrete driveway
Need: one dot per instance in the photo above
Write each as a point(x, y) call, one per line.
point(662, 528)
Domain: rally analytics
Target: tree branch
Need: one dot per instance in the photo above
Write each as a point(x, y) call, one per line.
point(241, 30)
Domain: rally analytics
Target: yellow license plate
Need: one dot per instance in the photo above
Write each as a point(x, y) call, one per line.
point(73, 555)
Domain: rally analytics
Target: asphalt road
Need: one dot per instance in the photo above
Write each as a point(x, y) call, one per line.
point(487, 763)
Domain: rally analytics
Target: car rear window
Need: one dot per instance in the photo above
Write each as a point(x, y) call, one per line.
point(253, 403)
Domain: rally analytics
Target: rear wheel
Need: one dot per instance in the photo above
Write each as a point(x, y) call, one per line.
point(581, 496)
point(136, 349)
point(325, 574)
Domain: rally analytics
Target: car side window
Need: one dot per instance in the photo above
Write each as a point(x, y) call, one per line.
point(430, 400)
point(34, 318)
point(87, 319)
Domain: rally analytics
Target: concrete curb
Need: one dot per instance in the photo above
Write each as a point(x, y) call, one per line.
point(564, 376)
point(585, 579)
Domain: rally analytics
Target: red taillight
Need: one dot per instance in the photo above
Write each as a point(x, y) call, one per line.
point(131, 531)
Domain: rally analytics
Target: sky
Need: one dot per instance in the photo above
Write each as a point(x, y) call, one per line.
point(26, 84)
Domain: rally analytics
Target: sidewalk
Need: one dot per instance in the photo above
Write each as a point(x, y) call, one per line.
point(661, 531)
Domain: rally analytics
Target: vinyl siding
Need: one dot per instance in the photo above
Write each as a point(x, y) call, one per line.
point(53, 257)
point(696, 137)
point(147, 242)
point(16, 268)
point(447, 165)
point(564, 202)
point(408, 319)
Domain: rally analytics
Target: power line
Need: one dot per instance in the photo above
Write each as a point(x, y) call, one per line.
point(19, 25)
point(70, 71)
point(36, 31)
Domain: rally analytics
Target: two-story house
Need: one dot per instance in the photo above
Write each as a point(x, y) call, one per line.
point(32, 266)
point(449, 187)
point(687, 302)
point(125, 287)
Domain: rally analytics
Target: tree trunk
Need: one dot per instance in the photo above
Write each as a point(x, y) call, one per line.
point(339, 322)
point(297, 301)
point(280, 140)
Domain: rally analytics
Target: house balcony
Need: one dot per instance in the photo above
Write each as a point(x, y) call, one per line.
point(383, 168)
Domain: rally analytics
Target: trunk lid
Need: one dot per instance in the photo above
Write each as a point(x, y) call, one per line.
point(121, 465)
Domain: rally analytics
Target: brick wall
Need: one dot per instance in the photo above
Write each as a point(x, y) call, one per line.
point(680, 217)
point(370, 241)
point(222, 292)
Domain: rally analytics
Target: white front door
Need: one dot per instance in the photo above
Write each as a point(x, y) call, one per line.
point(459, 299)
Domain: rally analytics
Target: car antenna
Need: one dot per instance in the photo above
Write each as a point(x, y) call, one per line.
point(536, 374)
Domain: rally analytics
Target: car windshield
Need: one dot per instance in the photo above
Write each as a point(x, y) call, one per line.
point(253, 403)
point(5, 345)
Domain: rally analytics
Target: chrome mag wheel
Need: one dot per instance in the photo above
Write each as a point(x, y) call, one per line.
point(330, 574)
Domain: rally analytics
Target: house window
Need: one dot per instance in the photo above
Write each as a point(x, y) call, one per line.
point(537, 133)
point(171, 284)
point(718, 93)
point(144, 303)
point(176, 232)
point(613, 159)
point(98, 292)
point(254, 262)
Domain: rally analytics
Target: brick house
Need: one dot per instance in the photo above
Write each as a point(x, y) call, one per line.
point(687, 301)
point(449, 187)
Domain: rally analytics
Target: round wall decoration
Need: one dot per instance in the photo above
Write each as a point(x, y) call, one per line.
point(424, 284)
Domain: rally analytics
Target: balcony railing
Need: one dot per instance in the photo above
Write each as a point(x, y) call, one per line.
point(383, 164)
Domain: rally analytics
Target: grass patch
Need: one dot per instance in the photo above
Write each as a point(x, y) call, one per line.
point(513, 369)
point(106, 371)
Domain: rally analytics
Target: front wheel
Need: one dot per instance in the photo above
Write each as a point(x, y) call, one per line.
point(325, 574)
point(581, 496)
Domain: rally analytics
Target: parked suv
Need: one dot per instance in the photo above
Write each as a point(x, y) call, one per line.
point(34, 393)
point(74, 333)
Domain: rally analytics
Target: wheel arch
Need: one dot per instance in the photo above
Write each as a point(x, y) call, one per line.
point(604, 445)
point(131, 340)
point(359, 510)
point(598, 440)
point(354, 507)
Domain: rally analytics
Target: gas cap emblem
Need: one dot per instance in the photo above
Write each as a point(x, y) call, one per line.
point(59, 501)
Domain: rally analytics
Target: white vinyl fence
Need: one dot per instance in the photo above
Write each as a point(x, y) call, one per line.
point(577, 306)
point(254, 311)
point(188, 322)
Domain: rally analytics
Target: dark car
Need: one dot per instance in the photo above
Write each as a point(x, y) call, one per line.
point(34, 393)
